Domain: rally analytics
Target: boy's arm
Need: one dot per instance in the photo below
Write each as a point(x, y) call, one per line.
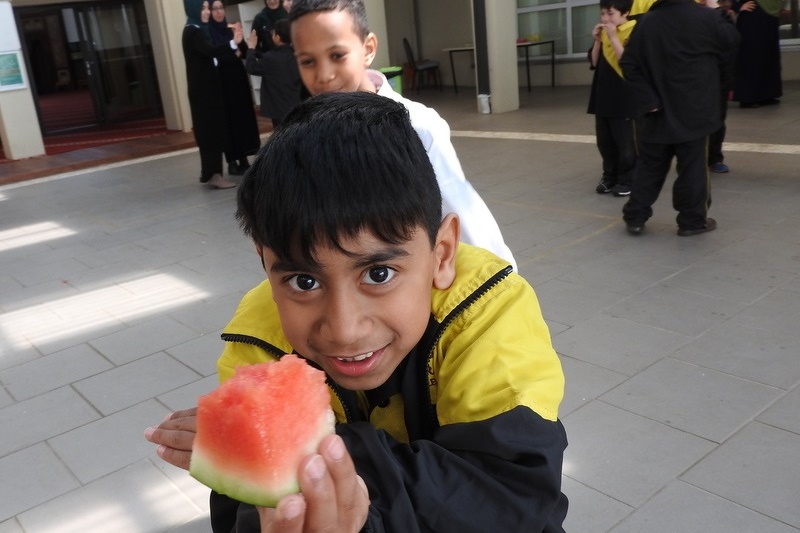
point(594, 52)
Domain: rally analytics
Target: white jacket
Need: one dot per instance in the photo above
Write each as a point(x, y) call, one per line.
point(478, 226)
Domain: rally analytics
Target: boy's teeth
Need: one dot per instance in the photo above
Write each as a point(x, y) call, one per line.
point(356, 358)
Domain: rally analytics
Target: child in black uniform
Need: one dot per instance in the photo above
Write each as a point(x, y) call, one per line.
point(280, 78)
point(611, 99)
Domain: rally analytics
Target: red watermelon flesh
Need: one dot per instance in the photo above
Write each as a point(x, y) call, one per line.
point(253, 431)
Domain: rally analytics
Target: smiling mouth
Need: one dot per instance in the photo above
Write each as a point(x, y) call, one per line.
point(361, 357)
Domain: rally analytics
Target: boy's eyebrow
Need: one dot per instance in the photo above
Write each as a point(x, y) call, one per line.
point(381, 256)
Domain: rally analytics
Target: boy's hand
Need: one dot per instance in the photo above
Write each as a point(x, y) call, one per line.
point(748, 6)
point(175, 436)
point(333, 497)
point(597, 31)
point(252, 39)
point(611, 29)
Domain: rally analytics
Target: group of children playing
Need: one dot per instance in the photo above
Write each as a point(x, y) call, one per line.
point(388, 271)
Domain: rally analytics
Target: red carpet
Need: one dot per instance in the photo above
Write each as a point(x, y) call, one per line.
point(74, 109)
point(101, 135)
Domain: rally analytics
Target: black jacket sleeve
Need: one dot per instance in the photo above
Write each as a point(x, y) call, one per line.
point(500, 474)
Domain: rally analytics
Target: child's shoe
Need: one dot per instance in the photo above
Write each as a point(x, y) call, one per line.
point(621, 190)
point(605, 186)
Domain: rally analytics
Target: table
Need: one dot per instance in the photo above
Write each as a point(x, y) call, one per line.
point(526, 45)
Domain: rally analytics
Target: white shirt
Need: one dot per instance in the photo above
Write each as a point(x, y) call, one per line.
point(478, 226)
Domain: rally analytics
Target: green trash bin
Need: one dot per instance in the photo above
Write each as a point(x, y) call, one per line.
point(395, 77)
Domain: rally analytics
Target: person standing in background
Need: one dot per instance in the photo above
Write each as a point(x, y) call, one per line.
point(237, 94)
point(677, 61)
point(611, 99)
point(280, 78)
point(264, 22)
point(209, 118)
point(758, 67)
point(287, 5)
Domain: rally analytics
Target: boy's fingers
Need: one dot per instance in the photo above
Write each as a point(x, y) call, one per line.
point(351, 491)
point(320, 495)
point(287, 517)
point(179, 458)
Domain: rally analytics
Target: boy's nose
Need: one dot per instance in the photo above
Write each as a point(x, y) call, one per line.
point(344, 322)
point(325, 74)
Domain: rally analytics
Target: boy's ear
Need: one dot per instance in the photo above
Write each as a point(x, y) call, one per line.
point(370, 49)
point(444, 272)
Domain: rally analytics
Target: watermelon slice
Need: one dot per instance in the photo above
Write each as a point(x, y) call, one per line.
point(253, 431)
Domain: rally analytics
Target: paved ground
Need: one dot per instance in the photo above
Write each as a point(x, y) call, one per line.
point(682, 355)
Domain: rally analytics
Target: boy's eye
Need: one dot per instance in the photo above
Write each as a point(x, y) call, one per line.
point(378, 275)
point(303, 283)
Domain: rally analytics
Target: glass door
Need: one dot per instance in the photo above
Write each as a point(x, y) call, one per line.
point(91, 63)
point(117, 55)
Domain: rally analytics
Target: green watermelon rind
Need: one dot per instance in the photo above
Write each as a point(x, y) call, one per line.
point(203, 469)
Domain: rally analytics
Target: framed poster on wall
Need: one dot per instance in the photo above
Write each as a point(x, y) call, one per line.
point(12, 71)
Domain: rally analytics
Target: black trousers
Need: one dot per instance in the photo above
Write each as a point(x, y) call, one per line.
point(715, 139)
point(616, 142)
point(210, 162)
point(691, 192)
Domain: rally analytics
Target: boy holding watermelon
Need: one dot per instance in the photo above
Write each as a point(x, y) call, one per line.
point(444, 381)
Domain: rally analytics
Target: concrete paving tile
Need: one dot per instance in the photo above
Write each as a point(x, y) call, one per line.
point(10, 526)
point(590, 511)
point(137, 498)
point(684, 312)
point(777, 311)
point(760, 253)
point(210, 315)
point(584, 383)
point(735, 282)
point(26, 297)
point(758, 468)
point(200, 353)
point(618, 344)
point(558, 301)
point(186, 396)
point(194, 490)
point(103, 446)
point(29, 274)
point(625, 456)
point(53, 371)
point(5, 398)
point(198, 525)
point(703, 402)
point(753, 353)
point(143, 339)
point(42, 417)
point(12, 354)
point(38, 476)
point(611, 274)
point(539, 271)
point(130, 384)
point(698, 511)
point(785, 413)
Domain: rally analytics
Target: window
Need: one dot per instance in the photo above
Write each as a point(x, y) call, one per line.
point(568, 22)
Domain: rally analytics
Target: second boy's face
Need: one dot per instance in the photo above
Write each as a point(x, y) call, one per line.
point(612, 16)
point(360, 313)
point(330, 54)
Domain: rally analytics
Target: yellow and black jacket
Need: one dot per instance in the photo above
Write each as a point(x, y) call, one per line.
point(465, 435)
